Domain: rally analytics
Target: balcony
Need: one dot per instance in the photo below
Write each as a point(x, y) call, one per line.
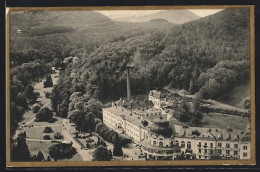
point(188, 151)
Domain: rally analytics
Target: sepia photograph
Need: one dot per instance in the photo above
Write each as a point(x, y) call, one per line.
point(137, 86)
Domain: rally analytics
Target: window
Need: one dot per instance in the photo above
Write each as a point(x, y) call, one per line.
point(228, 145)
point(235, 145)
point(211, 152)
point(199, 150)
point(205, 144)
point(245, 147)
point(183, 144)
point(244, 154)
point(227, 152)
point(206, 151)
point(154, 142)
point(177, 142)
point(211, 145)
point(235, 152)
point(219, 151)
point(199, 157)
point(161, 144)
point(220, 145)
point(199, 144)
point(188, 145)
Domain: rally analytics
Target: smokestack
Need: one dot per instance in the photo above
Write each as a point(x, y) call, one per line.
point(128, 84)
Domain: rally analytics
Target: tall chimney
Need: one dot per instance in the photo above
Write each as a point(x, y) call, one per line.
point(128, 84)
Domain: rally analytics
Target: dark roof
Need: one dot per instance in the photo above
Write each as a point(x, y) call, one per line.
point(162, 127)
point(211, 133)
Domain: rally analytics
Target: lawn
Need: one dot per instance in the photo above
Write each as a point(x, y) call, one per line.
point(37, 132)
point(35, 147)
point(27, 116)
point(215, 120)
point(59, 121)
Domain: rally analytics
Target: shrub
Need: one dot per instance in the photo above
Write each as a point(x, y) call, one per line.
point(47, 137)
point(58, 135)
point(47, 94)
point(47, 130)
point(36, 108)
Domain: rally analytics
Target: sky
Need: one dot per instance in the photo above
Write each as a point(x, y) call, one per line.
point(125, 13)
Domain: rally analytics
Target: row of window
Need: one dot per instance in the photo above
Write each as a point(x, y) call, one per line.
point(183, 144)
point(132, 126)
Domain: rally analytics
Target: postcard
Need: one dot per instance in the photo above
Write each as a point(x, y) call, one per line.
point(130, 86)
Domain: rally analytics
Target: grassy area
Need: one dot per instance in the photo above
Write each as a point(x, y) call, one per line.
point(235, 96)
point(215, 120)
point(27, 116)
point(59, 121)
point(35, 147)
point(37, 132)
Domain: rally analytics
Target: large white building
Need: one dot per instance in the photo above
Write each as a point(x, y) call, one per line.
point(161, 139)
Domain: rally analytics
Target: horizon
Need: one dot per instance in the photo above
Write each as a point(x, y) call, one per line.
point(119, 14)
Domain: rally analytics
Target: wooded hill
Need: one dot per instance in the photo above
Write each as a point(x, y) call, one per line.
point(208, 56)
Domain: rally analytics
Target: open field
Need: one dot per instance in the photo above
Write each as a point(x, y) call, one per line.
point(216, 120)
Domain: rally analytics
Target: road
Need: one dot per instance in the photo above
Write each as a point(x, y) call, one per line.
point(85, 154)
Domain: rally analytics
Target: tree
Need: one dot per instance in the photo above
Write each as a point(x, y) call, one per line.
point(101, 154)
point(197, 117)
point(58, 135)
point(44, 114)
point(48, 158)
point(117, 151)
point(40, 156)
point(21, 100)
point(19, 149)
point(47, 137)
point(183, 113)
point(36, 108)
point(57, 62)
point(47, 130)
point(30, 94)
point(62, 151)
point(48, 82)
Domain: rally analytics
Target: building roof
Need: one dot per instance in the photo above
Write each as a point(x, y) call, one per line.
point(134, 104)
point(209, 133)
point(133, 117)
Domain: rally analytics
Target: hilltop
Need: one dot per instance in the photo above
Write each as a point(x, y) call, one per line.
point(173, 16)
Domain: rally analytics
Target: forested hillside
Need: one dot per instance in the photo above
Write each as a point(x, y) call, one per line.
point(208, 56)
point(42, 39)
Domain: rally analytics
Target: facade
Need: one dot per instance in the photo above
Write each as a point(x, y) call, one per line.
point(161, 139)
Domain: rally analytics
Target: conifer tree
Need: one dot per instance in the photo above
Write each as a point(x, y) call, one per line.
point(19, 150)
point(117, 147)
point(40, 156)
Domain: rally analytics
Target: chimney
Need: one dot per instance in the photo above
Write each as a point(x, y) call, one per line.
point(128, 84)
